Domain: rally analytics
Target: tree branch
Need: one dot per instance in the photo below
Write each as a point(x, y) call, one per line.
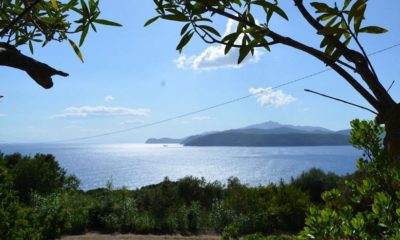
point(213, 40)
point(361, 62)
point(307, 49)
point(19, 17)
point(331, 63)
point(38, 71)
point(341, 100)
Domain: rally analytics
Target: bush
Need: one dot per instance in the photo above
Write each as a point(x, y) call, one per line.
point(231, 232)
point(40, 174)
point(368, 206)
point(315, 182)
point(259, 236)
point(51, 214)
point(17, 221)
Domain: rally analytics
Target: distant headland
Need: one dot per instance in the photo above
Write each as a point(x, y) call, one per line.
point(264, 134)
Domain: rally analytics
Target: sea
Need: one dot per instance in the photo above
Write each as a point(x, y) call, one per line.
point(137, 165)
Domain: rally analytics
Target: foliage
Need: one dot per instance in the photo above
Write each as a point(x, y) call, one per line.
point(43, 21)
point(231, 232)
point(54, 205)
point(343, 24)
point(259, 236)
point(37, 198)
point(315, 182)
point(51, 214)
point(369, 206)
point(338, 24)
point(265, 209)
point(16, 220)
point(41, 174)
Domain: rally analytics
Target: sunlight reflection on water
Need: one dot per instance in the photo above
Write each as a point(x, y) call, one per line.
point(137, 165)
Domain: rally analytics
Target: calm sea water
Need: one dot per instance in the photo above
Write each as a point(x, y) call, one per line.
point(134, 165)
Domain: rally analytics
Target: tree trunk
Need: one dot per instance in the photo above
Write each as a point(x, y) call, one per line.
point(391, 119)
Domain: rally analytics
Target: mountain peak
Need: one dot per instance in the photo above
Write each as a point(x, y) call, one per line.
point(271, 125)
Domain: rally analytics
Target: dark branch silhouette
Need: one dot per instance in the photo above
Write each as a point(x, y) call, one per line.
point(38, 71)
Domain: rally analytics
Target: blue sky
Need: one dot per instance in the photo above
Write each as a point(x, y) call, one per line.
point(133, 75)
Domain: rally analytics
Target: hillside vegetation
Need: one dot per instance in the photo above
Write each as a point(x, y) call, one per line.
point(39, 200)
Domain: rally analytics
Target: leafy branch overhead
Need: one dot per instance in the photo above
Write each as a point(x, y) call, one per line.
point(26, 22)
point(343, 24)
point(49, 21)
point(338, 24)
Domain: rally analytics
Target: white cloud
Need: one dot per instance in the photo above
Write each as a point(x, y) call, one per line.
point(214, 57)
point(269, 97)
point(109, 98)
point(100, 111)
point(3, 115)
point(200, 118)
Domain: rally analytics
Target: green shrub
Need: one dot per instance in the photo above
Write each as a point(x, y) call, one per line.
point(40, 174)
point(368, 206)
point(194, 217)
point(259, 236)
point(52, 214)
point(231, 232)
point(315, 182)
point(220, 216)
point(16, 221)
point(144, 223)
point(77, 206)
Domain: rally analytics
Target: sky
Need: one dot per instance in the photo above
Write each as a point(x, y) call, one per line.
point(133, 76)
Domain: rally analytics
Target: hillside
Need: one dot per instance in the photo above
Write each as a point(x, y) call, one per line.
point(264, 134)
point(288, 139)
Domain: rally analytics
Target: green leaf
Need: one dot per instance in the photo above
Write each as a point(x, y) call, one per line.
point(271, 7)
point(323, 8)
point(346, 4)
point(373, 30)
point(185, 28)
point(185, 39)
point(325, 17)
point(85, 9)
point(210, 29)
point(172, 17)
point(93, 5)
point(54, 4)
point(151, 20)
point(198, 9)
point(31, 46)
point(359, 18)
point(244, 50)
point(230, 41)
point(83, 35)
point(76, 49)
point(356, 9)
point(331, 31)
point(93, 27)
point(107, 22)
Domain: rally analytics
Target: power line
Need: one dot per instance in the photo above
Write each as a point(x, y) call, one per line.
point(186, 114)
point(207, 108)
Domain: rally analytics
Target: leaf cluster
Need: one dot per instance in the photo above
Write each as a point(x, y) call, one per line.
point(43, 21)
point(339, 26)
point(197, 16)
point(343, 24)
point(368, 207)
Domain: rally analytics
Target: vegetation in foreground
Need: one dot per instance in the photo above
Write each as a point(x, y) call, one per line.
point(38, 200)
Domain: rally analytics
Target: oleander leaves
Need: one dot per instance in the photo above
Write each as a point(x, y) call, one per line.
point(50, 20)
